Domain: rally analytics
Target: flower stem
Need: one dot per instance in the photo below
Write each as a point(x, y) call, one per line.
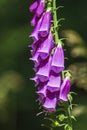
point(55, 22)
point(68, 114)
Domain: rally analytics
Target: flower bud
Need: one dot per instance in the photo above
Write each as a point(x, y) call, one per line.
point(33, 6)
point(64, 90)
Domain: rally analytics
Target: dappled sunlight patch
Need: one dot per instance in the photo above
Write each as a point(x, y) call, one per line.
point(9, 81)
point(79, 110)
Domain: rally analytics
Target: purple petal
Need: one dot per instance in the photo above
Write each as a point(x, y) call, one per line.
point(34, 34)
point(44, 70)
point(35, 57)
point(64, 90)
point(40, 8)
point(50, 104)
point(45, 25)
point(46, 47)
point(42, 90)
point(58, 60)
point(33, 6)
point(37, 63)
point(35, 45)
point(54, 83)
point(41, 99)
point(34, 20)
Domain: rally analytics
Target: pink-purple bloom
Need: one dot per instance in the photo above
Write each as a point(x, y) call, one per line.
point(48, 60)
point(35, 57)
point(42, 91)
point(33, 6)
point(46, 47)
point(45, 25)
point(50, 104)
point(40, 9)
point(44, 70)
point(51, 101)
point(58, 59)
point(34, 20)
point(54, 82)
point(34, 34)
point(64, 89)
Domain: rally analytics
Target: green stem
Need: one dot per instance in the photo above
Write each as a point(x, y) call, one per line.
point(55, 21)
point(68, 114)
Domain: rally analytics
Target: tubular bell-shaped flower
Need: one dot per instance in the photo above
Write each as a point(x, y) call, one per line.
point(50, 104)
point(64, 90)
point(34, 34)
point(40, 8)
point(51, 101)
point(42, 91)
point(35, 45)
point(44, 70)
point(46, 47)
point(58, 59)
point(54, 82)
point(35, 57)
point(45, 25)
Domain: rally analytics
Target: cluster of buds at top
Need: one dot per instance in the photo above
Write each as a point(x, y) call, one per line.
point(48, 58)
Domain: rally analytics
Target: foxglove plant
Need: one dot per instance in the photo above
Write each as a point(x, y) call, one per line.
point(47, 52)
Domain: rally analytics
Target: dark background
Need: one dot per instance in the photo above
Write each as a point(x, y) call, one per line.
point(18, 107)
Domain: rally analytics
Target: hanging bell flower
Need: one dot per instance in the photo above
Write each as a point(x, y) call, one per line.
point(44, 70)
point(58, 59)
point(45, 25)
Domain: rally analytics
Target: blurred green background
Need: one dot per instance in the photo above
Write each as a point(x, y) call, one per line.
point(18, 107)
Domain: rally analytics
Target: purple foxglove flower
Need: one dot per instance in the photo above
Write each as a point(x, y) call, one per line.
point(46, 47)
point(34, 34)
point(51, 101)
point(64, 89)
point(35, 45)
point(45, 25)
point(33, 6)
point(44, 70)
point(54, 82)
point(41, 99)
point(50, 104)
point(34, 20)
point(37, 61)
point(35, 57)
point(42, 91)
point(37, 64)
point(40, 8)
point(58, 59)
